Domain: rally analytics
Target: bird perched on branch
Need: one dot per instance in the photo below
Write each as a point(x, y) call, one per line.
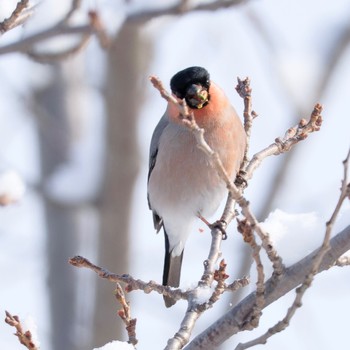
point(182, 182)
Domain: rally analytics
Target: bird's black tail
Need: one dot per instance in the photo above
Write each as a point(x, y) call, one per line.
point(172, 270)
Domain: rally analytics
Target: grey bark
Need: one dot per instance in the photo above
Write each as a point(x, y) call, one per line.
point(234, 320)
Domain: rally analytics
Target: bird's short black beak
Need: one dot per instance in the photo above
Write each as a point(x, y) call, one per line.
point(196, 96)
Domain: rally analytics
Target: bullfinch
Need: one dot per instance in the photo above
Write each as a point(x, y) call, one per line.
point(182, 183)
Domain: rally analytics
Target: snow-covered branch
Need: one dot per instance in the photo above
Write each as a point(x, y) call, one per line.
point(234, 320)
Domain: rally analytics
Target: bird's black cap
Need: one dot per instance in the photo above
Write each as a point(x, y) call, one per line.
point(181, 81)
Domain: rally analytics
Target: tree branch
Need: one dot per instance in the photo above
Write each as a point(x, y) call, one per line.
point(292, 136)
point(300, 291)
point(125, 314)
point(246, 230)
point(76, 4)
point(181, 8)
point(47, 57)
point(131, 283)
point(336, 51)
point(20, 14)
point(244, 90)
point(24, 337)
point(27, 43)
point(235, 320)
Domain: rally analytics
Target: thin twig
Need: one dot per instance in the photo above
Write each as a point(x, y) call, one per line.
point(238, 284)
point(271, 252)
point(246, 230)
point(24, 337)
point(22, 13)
point(26, 44)
point(335, 52)
point(220, 276)
point(181, 8)
point(234, 320)
point(195, 309)
point(17, 18)
point(245, 91)
point(48, 57)
point(131, 283)
point(300, 291)
point(292, 136)
point(99, 31)
point(125, 314)
point(76, 4)
point(86, 31)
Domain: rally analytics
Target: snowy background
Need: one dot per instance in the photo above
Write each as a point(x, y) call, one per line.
point(285, 48)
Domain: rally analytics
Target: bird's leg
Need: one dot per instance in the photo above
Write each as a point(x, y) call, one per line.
point(240, 180)
point(218, 224)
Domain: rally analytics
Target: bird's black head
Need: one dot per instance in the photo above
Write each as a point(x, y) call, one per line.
point(192, 84)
